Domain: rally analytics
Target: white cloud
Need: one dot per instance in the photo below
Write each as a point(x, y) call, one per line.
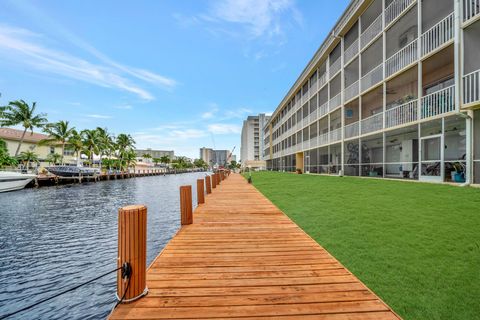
point(222, 128)
point(124, 107)
point(210, 113)
point(239, 113)
point(258, 17)
point(22, 46)
point(99, 116)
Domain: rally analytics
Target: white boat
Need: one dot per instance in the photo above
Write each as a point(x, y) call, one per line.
point(11, 180)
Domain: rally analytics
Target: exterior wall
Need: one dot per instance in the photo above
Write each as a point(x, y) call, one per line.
point(410, 84)
point(41, 151)
point(253, 138)
point(207, 155)
point(155, 153)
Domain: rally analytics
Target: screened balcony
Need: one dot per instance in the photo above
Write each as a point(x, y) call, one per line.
point(372, 23)
point(395, 8)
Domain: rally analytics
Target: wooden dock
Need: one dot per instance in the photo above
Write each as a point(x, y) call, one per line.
point(243, 258)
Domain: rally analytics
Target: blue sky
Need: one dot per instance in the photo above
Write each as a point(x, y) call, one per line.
point(175, 74)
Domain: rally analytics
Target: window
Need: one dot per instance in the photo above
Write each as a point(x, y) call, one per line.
point(52, 150)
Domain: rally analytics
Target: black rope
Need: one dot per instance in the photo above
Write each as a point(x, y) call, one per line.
point(61, 293)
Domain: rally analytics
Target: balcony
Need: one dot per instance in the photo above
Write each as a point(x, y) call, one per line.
point(403, 114)
point(351, 130)
point(471, 87)
point(371, 32)
point(335, 102)
point(323, 110)
point(335, 67)
point(351, 52)
point(471, 8)
point(373, 123)
point(395, 9)
point(323, 139)
point(439, 102)
point(336, 135)
point(313, 143)
point(372, 78)
point(352, 91)
point(406, 56)
point(438, 35)
point(313, 116)
point(322, 80)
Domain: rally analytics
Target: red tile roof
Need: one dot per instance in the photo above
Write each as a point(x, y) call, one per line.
point(15, 134)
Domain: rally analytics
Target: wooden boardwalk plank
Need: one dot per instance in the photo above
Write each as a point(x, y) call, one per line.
point(243, 258)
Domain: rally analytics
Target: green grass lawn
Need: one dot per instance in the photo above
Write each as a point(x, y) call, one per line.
point(416, 245)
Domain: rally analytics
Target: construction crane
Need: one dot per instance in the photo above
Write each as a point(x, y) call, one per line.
point(230, 155)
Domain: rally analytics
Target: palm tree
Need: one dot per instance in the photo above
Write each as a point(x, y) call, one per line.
point(105, 141)
point(76, 143)
point(156, 161)
point(20, 113)
point(90, 143)
point(165, 159)
point(58, 132)
point(27, 157)
point(130, 157)
point(54, 158)
point(124, 142)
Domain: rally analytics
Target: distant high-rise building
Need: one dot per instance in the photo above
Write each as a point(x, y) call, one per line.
point(252, 148)
point(221, 157)
point(214, 157)
point(207, 155)
point(155, 153)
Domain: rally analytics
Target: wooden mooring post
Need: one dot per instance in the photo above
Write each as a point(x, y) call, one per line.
point(132, 250)
point(186, 205)
point(208, 184)
point(200, 191)
point(214, 181)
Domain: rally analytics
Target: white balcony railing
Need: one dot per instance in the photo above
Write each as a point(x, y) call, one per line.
point(402, 114)
point(371, 78)
point(395, 9)
point(313, 142)
point(335, 67)
point(323, 110)
point(352, 91)
point(336, 135)
point(313, 116)
point(373, 123)
point(323, 139)
point(351, 52)
point(471, 8)
point(322, 80)
point(471, 87)
point(372, 31)
point(401, 59)
point(439, 102)
point(335, 102)
point(351, 130)
point(438, 35)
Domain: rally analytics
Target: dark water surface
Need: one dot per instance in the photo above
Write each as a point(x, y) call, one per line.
point(57, 237)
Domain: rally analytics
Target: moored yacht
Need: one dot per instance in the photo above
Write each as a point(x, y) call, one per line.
point(11, 180)
point(73, 171)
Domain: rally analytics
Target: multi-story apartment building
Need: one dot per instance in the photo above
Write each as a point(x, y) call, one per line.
point(393, 91)
point(253, 141)
point(155, 153)
point(214, 157)
point(207, 155)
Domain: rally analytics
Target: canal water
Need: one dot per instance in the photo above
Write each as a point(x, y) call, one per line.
point(54, 238)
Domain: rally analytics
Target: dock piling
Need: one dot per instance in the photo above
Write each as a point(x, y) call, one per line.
point(208, 184)
point(186, 205)
point(214, 181)
point(200, 191)
point(132, 249)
